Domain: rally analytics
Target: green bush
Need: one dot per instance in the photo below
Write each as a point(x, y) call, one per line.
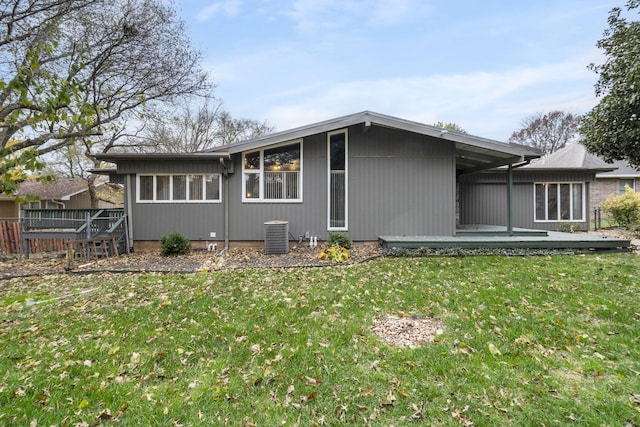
point(624, 209)
point(339, 239)
point(174, 244)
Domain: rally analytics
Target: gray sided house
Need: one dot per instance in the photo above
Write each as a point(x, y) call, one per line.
point(365, 174)
point(552, 193)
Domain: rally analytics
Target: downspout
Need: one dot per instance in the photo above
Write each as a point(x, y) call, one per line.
point(510, 200)
point(225, 196)
point(129, 214)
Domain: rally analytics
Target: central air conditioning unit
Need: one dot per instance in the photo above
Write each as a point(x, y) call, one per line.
point(276, 237)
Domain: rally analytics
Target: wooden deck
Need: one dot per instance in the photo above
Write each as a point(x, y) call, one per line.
point(476, 237)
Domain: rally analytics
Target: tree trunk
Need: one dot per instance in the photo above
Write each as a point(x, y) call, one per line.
point(93, 194)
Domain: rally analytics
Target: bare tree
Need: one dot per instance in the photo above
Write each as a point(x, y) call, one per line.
point(74, 70)
point(197, 128)
point(548, 132)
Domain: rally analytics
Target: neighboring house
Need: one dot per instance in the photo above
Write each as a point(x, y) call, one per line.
point(63, 193)
point(612, 183)
point(552, 193)
point(365, 174)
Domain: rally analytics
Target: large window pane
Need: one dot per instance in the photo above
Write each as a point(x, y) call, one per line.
point(337, 151)
point(179, 187)
point(552, 202)
point(285, 158)
point(252, 185)
point(577, 202)
point(212, 187)
point(163, 187)
point(337, 200)
point(274, 173)
point(565, 201)
point(252, 160)
point(540, 202)
point(146, 188)
point(195, 187)
point(273, 184)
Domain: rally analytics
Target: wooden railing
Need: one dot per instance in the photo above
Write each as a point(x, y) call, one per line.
point(84, 224)
point(67, 219)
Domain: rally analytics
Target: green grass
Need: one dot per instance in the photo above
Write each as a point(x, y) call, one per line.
point(528, 341)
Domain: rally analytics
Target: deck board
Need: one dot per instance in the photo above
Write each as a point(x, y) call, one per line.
point(484, 239)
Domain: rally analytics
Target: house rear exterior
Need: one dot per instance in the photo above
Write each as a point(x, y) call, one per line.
point(365, 174)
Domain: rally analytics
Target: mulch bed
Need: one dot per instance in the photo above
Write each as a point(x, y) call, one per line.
point(196, 261)
point(202, 261)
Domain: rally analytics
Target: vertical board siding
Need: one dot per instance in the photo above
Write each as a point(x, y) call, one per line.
point(399, 183)
point(484, 201)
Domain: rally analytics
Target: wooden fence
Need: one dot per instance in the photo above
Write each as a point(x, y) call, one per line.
point(10, 240)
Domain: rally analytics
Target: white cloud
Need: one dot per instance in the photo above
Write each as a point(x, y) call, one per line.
point(228, 7)
point(484, 103)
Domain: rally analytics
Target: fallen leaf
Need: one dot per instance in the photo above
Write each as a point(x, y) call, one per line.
point(494, 350)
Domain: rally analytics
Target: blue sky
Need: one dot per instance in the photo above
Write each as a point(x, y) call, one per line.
point(484, 65)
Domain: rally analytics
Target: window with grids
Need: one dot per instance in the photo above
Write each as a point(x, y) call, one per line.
point(187, 188)
point(559, 202)
point(273, 174)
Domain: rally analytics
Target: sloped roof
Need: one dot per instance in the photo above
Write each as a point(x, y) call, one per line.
point(571, 157)
point(622, 170)
point(472, 152)
point(59, 189)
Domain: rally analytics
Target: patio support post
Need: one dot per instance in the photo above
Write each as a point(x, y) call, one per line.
point(510, 200)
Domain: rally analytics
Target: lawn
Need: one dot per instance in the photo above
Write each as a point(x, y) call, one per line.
point(527, 341)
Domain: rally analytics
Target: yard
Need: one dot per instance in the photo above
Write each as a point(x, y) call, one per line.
point(547, 340)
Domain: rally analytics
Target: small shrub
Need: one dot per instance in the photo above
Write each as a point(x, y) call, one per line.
point(174, 244)
point(339, 239)
point(335, 253)
point(624, 209)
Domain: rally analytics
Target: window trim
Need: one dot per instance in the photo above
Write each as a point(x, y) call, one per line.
point(179, 201)
point(571, 207)
point(260, 172)
point(344, 131)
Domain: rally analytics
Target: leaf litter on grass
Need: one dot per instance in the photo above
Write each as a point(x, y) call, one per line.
point(298, 346)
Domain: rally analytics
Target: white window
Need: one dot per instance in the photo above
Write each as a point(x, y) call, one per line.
point(187, 188)
point(558, 202)
point(273, 174)
point(624, 182)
